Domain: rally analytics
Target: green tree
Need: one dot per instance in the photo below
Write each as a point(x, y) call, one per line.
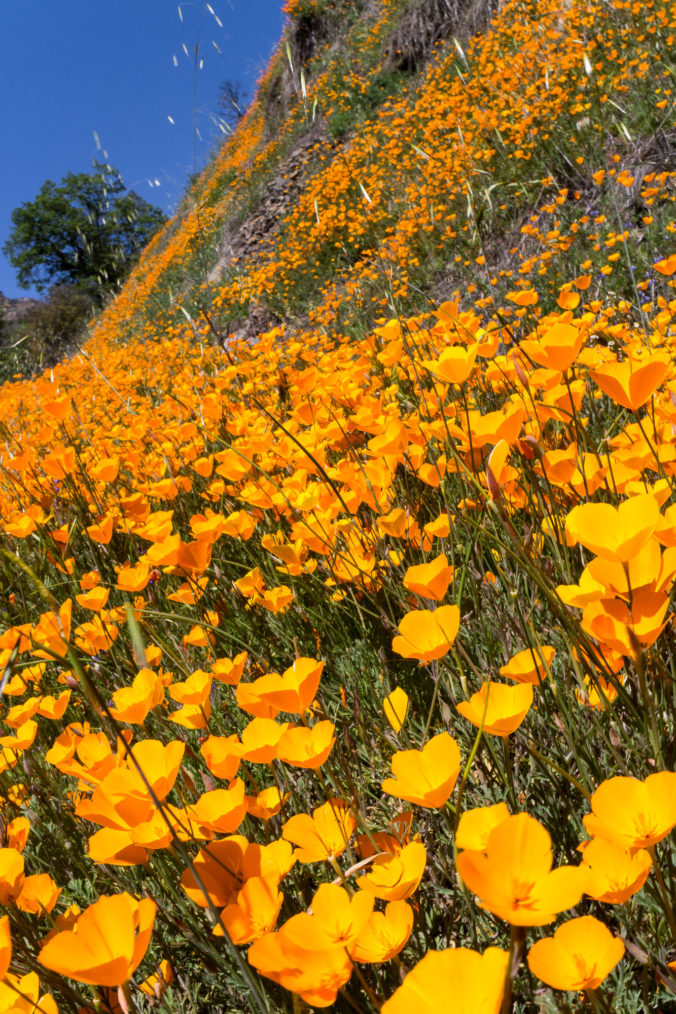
point(86, 231)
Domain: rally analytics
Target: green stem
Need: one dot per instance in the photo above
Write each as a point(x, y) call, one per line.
point(510, 771)
point(517, 940)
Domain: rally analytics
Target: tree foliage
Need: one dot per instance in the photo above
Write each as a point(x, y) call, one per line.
point(86, 230)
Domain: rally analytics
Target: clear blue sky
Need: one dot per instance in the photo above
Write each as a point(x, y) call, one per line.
point(72, 71)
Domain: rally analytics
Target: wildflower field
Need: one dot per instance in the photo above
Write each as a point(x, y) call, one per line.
point(338, 661)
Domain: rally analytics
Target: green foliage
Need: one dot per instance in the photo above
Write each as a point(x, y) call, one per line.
point(44, 333)
point(382, 86)
point(86, 231)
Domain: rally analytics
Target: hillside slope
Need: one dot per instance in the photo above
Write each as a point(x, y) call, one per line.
point(337, 567)
point(368, 178)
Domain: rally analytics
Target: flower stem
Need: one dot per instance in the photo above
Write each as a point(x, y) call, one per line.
point(510, 772)
point(517, 940)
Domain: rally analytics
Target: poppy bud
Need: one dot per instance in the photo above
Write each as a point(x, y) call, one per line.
point(530, 448)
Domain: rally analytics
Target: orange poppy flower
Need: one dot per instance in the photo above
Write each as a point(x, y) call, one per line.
point(53, 631)
point(17, 833)
point(625, 628)
point(557, 348)
point(260, 740)
point(615, 872)
point(59, 463)
point(439, 528)
point(631, 383)
point(454, 365)
point(221, 810)
point(21, 995)
point(253, 912)
point(523, 297)
point(316, 976)
point(271, 861)
point(54, 707)
point(307, 748)
point(475, 826)
point(199, 637)
point(513, 877)
point(335, 920)
point(530, 665)
point(222, 755)
point(666, 266)
point(11, 875)
point(160, 763)
point(267, 803)
point(568, 300)
point(133, 704)
point(632, 813)
point(614, 533)
point(395, 877)
point(106, 469)
point(101, 531)
point(240, 525)
point(251, 585)
point(394, 523)
point(248, 700)
point(293, 691)
point(156, 984)
point(326, 833)
point(116, 847)
point(649, 570)
point(427, 635)
point(5, 946)
point(94, 599)
point(229, 670)
point(207, 527)
point(580, 955)
point(384, 935)
point(107, 944)
point(219, 867)
point(428, 776)
point(133, 579)
point(478, 982)
point(25, 736)
point(193, 695)
point(499, 473)
point(430, 580)
point(122, 801)
point(21, 526)
point(395, 707)
point(500, 709)
point(38, 894)
point(276, 600)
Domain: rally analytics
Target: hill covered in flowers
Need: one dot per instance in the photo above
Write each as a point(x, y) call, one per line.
point(336, 623)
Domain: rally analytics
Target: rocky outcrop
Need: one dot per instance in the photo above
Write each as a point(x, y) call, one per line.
point(259, 229)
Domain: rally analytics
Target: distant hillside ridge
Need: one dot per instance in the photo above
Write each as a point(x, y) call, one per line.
point(11, 309)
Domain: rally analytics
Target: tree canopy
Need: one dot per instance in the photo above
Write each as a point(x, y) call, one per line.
point(86, 230)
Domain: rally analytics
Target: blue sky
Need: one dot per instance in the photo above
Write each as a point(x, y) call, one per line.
point(79, 74)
